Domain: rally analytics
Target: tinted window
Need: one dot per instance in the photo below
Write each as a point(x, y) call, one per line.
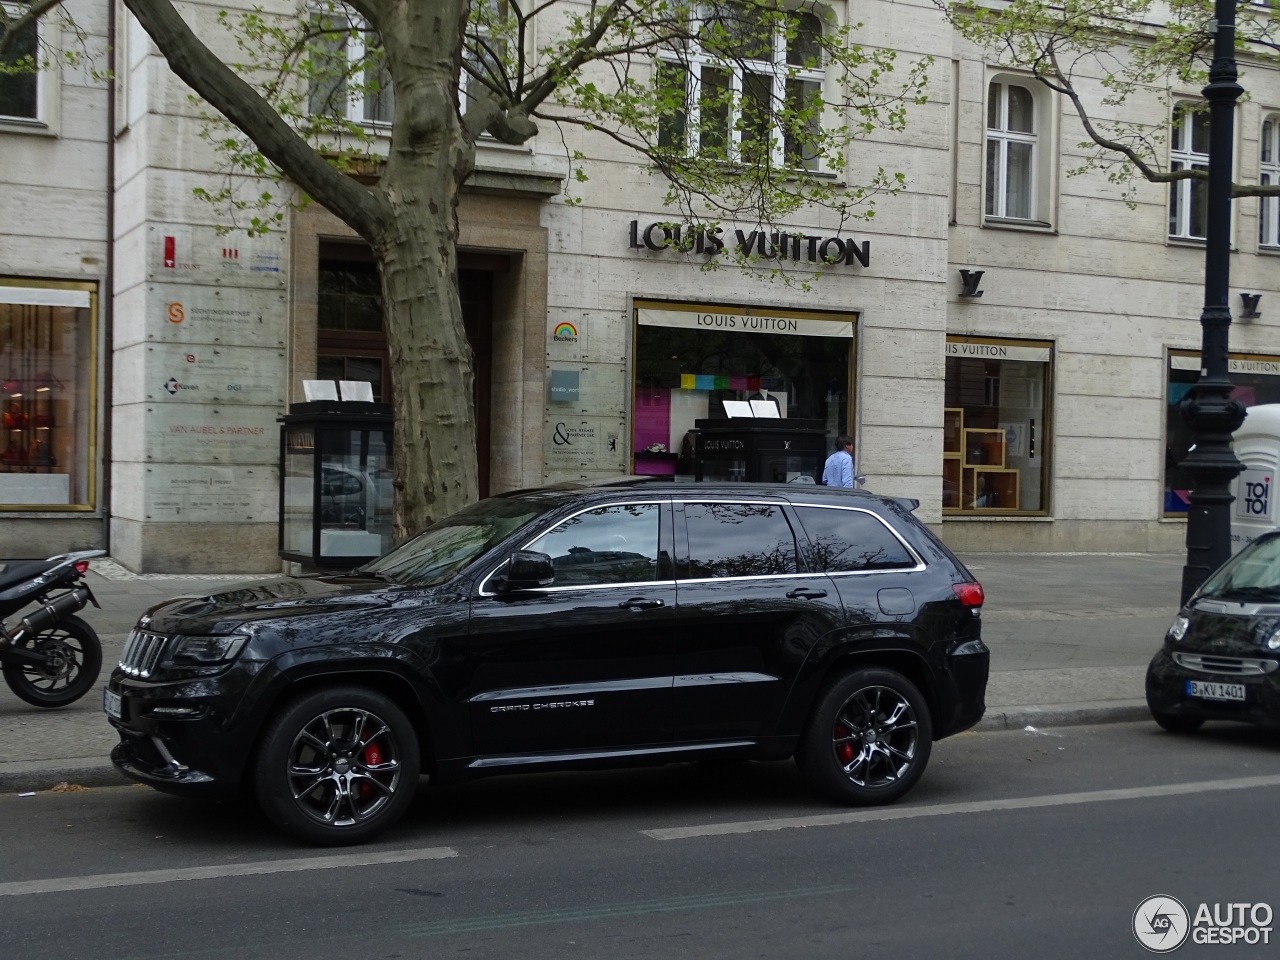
point(842, 540)
point(738, 540)
point(617, 544)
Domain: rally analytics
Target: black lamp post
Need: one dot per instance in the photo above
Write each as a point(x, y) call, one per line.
point(1208, 408)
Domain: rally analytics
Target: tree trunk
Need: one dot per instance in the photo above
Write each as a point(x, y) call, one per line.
point(435, 430)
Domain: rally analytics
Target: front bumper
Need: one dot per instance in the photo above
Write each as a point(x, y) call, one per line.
point(1167, 694)
point(184, 737)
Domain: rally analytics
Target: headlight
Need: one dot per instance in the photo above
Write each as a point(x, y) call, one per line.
point(1273, 641)
point(203, 651)
point(1179, 628)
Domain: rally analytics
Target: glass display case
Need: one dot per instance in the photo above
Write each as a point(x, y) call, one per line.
point(759, 451)
point(335, 482)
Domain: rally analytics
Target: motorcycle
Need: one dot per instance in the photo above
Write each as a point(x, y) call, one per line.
point(51, 657)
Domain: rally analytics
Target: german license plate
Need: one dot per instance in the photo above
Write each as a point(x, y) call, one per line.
point(112, 704)
point(1208, 690)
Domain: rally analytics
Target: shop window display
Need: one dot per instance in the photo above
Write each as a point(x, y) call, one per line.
point(690, 359)
point(46, 339)
point(995, 428)
point(1256, 380)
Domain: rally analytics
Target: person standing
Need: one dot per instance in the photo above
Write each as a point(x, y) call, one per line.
point(838, 471)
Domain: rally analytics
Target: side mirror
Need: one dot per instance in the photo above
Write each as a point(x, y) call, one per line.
point(526, 570)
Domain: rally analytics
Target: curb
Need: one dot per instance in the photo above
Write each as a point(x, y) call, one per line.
point(23, 776)
point(1064, 715)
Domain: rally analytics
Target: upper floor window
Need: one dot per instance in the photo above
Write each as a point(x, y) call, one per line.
point(1012, 142)
point(1188, 150)
point(19, 77)
point(1269, 173)
point(349, 79)
point(749, 88)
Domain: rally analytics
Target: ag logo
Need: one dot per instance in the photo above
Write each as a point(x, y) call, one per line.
point(1161, 924)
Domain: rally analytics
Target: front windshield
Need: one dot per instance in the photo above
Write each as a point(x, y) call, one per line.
point(447, 546)
point(1253, 574)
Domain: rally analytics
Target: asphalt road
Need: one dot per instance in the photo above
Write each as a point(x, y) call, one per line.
point(1020, 844)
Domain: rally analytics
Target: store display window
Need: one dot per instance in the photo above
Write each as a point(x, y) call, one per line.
point(692, 358)
point(1256, 380)
point(47, 340)
point(996, 426)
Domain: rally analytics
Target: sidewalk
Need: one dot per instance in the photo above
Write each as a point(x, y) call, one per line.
point(1070, 638)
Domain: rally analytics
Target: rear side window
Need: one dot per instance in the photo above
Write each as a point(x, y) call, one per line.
point(845, 540)
point(738, 540)
point(616, 544)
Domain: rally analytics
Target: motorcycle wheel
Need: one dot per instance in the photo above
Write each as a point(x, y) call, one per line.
point(75, 660)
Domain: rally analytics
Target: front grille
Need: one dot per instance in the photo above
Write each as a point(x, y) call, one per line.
point(1237, 666)
point(142, 651)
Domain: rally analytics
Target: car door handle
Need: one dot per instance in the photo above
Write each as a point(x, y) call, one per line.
point(640, 603)
point(804, 593)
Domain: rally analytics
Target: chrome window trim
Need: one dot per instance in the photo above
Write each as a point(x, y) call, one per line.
point(920, 564)
point(484, 590)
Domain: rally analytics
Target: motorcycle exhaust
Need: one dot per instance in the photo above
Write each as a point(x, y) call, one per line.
point(46, 616)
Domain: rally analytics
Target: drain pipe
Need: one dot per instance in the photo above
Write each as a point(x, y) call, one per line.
point(106, 300)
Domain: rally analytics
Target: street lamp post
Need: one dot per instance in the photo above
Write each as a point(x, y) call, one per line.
point(1208, 408)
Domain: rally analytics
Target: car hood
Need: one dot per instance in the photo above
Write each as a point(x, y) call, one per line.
point(222, 612)
point(1229, 628)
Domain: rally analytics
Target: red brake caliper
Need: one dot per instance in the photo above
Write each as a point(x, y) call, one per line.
point(372, 757)
point(844, 750)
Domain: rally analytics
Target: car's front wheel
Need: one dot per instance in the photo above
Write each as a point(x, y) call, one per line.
point(868, 738)
point(337, 766)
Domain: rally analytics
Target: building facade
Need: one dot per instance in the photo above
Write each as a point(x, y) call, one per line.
point(1006, 344)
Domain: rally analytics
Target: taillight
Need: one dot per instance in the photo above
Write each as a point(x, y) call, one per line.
point(82, 567)
point(970, 594)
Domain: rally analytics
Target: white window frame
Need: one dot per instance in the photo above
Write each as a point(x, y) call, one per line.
point(353, 102)
point(1269, 173)
point(46, 83)
point(1182, 157)
point(1004, 138)
point(696, 59)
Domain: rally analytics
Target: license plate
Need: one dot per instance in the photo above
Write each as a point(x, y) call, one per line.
point(1215, 691)
point(112, 704)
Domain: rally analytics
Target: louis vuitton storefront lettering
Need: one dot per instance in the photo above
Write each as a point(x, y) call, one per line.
point(769, 244)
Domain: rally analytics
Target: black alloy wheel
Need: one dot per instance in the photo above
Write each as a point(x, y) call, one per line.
point(337, 766)
point(73, 660)
point(868, 739)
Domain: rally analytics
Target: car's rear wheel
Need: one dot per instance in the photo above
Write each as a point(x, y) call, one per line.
point(337, 766)
point(868, 739)
point(1176, 723)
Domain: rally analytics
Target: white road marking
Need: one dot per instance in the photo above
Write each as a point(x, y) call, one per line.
point(102, 880)
point(947, 809)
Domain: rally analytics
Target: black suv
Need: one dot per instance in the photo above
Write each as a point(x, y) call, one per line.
point(616, 624)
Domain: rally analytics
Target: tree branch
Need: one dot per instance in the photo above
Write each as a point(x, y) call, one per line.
point(362, 208)
point(9, 25)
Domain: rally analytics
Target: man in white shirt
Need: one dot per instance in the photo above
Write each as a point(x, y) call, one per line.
point(838, 471)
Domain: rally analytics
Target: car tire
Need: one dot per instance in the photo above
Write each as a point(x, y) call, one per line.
point(868, 739)
point(337, 766)
point(1176, 723)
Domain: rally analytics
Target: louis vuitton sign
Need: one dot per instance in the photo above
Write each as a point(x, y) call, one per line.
point(765, 244)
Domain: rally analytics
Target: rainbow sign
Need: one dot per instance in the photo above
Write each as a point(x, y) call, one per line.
point(565, 331)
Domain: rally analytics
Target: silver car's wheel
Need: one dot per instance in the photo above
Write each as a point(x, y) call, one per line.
point(338, 766)
point(868, 739)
